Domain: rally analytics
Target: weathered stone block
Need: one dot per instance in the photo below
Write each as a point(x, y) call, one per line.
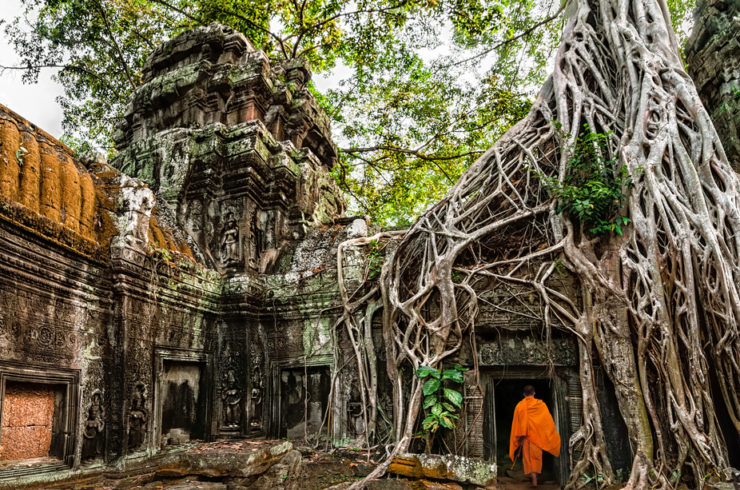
point(444, 467)
point(224, 463)
point(25, 442)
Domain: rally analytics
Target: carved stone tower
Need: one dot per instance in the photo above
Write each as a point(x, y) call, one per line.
point(236, 150)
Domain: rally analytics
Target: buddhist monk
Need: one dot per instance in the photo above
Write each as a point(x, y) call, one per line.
point(534, 430)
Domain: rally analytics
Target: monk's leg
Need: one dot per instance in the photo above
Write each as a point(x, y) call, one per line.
point(532, 459)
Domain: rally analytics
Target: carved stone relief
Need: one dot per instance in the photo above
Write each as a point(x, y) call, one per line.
point(231, 397)
point(230, 251)
point(355, 418)
point(257, 393)
point(93, 435)
point(138, 418)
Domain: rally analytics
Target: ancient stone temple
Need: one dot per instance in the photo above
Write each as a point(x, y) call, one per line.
point(180, 292)
point(187, 290)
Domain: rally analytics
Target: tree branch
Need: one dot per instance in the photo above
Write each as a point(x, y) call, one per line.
point(115, 45)
point(512, 39)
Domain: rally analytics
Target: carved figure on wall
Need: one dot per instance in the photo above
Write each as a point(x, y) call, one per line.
point(92, 445)
point(255, 399)
point(138, 418)
point(195, 219)
point(230, 241)
point(232, 398)
point(255, 240)
point(355, 419)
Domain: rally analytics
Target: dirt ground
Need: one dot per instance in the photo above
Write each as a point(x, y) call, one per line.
point(317, 470)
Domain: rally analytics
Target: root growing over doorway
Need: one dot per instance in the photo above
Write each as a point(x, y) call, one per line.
point(659, 304)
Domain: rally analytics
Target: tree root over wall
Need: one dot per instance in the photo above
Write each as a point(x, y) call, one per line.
point(659, 305)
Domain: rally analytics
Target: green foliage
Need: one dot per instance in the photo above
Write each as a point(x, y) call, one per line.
point(596, 479)
point(375, 259)
point(160, 254)
point(591, 192)
point(441, 402)
point(425, 85)
point(19, 154)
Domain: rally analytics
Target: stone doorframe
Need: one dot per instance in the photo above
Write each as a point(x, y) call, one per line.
point(273, 385)
point(560, 408)
point(69, 379)
point(162, 354)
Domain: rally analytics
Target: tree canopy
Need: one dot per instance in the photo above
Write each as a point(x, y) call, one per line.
point(424, 85)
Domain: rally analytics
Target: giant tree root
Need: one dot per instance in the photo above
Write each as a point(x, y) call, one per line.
point(660, 304)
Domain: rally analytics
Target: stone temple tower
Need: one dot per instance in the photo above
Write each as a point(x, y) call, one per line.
point(237, 152)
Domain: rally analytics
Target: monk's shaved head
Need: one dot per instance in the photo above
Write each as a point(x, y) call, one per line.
point(528, 390)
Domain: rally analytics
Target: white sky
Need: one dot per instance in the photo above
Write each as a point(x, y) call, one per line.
point(34, 102)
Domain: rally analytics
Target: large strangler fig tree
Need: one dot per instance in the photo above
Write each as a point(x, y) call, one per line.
point(658, 299)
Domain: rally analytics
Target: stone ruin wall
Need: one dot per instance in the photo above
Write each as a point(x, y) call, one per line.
point(114, 285)
point(713, 62)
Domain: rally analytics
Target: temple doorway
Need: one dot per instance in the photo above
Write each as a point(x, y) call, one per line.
point(502, 393)
point(304, 396)
point(183, 403)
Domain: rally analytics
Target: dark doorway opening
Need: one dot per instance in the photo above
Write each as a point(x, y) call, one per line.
point(183, 402)
point(304, 396)
point(507, 393)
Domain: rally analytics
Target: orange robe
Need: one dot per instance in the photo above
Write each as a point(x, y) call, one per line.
point(532, 420)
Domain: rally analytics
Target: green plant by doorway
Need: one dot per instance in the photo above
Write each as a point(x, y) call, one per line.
point(441, 400)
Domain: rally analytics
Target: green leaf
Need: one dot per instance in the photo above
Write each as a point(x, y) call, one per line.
point(425, 371)
point(454, 396)
point(431, 386)
point(453, 375)
point(437, 409)
point(458, 367)
point(431, 423)
point(429, 401)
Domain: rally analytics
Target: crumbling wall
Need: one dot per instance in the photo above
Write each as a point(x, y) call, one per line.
point(186, 258)
point(713, 61)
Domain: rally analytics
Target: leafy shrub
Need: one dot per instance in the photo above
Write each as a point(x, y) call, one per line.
point(441, 401)
point(591, 192)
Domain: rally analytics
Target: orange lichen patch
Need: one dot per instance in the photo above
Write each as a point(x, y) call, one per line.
point(87, 209)
point(162, 238)
point(71, 194)
point(51, 188)
point(23, 218)
point(30, 178)
point(184, 249)
point(9, 153)
point(28, 414)
point(156, 237)
point(42, 188)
